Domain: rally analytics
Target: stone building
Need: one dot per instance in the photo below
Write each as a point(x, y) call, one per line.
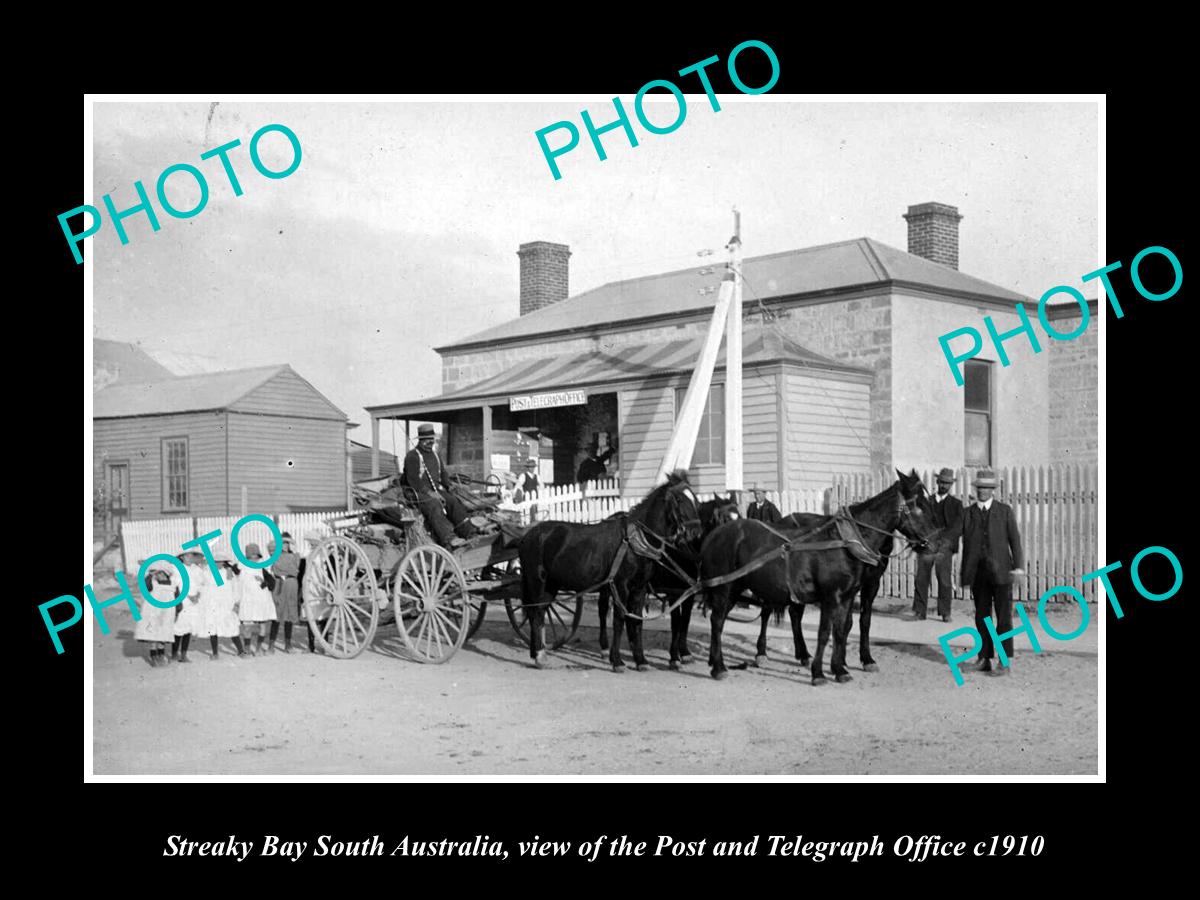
point(843, 370)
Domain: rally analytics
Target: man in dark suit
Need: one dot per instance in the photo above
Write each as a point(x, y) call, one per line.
point(425, 473)
point(948, 517)
point(992, 559)
point(762, 508)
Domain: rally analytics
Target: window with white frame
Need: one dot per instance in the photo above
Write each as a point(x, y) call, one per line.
point(175, 474)
point(977, 402)
point(710, 442)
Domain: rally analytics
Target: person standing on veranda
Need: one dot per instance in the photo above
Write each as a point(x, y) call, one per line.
point(992, 560)
point(939, 557)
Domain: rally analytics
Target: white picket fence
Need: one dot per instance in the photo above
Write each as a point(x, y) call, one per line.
point(1057, 513)
point(596, 500)
point(798, 501)
point(587, 502)
point(146, 537)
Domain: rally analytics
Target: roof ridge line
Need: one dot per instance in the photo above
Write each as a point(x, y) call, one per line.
point(873, 258)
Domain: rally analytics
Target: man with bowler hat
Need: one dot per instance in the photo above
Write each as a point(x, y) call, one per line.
point(938, 558)
point(992, 558)
point(425, 473)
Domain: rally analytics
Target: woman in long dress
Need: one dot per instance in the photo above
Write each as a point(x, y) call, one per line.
point(257, 609)
point(219, 607)
point(156, 627)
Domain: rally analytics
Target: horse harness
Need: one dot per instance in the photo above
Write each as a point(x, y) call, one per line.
point(849, 539)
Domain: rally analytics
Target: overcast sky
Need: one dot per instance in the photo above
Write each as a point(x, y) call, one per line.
point(400, 228)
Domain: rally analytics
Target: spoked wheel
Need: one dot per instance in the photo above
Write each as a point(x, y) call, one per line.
point(478, 614)
point(340, 597)
point(433, 608)
point(560, 623)
point(479, 601)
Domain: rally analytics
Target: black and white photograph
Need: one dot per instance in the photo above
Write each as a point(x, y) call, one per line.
point(528, 437)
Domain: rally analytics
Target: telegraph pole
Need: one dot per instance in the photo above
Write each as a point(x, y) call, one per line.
point(733, 364)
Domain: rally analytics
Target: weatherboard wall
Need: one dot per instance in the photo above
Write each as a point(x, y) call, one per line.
point(286, 463)
point(138, 442)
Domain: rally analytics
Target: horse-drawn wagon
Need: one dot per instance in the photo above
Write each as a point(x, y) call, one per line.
point(381, 566)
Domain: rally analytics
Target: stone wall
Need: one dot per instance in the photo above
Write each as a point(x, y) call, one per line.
point(1074, 393)
point(858, 333)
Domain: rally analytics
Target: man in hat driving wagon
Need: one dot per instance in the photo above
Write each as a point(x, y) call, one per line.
point(425, 473)
point(939, 557)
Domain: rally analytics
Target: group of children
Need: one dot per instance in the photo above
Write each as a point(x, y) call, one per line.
point(248, 603)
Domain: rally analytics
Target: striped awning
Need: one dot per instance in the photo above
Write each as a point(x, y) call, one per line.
point(621, 364)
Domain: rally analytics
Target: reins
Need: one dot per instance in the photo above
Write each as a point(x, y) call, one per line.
point(634, 538)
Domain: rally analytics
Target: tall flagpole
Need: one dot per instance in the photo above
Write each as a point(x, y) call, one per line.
point(733, 364)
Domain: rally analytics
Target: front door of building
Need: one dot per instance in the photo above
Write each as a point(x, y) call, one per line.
point(118, 496)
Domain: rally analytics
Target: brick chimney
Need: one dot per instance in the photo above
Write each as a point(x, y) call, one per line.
point(543, 274)
point(933, 232)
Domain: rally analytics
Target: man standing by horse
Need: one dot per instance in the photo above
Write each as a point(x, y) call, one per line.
point(992, 558)
point(425, 473)
point(948, 518)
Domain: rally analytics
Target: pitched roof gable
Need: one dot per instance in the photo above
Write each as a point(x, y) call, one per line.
point(186, 393)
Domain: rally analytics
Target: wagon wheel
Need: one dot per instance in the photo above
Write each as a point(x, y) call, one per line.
point(432, 603)
point(478, 614)
point(560, 623)
point(340, 597)
point(479, 601)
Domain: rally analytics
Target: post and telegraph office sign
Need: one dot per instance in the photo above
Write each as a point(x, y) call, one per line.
point(547, 401)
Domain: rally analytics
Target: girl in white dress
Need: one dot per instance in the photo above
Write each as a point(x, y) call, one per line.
point(156, 626)
point(257, 609)
point(189, 617)
point(219, 607)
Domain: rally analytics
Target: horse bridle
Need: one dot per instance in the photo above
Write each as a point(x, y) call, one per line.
point(906, 515)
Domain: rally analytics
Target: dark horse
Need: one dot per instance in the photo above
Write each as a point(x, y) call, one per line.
point(872, 576)
point(713, 512)
point(563, 556)
point(830, 577)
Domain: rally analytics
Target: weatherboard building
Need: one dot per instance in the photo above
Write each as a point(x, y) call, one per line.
point(842, 370)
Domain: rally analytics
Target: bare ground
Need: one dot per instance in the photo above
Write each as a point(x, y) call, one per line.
point(487, 712)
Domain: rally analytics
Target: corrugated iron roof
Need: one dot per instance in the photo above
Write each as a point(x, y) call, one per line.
point(631, 362)
point(185, 393)
point(812, 270)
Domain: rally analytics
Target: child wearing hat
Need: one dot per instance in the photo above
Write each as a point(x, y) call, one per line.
point(188, 612)
point(256, 609)
point(286, 593)
point(156, 626)
point(219, 607)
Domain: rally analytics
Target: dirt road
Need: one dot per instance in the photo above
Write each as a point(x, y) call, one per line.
point(487, 712)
